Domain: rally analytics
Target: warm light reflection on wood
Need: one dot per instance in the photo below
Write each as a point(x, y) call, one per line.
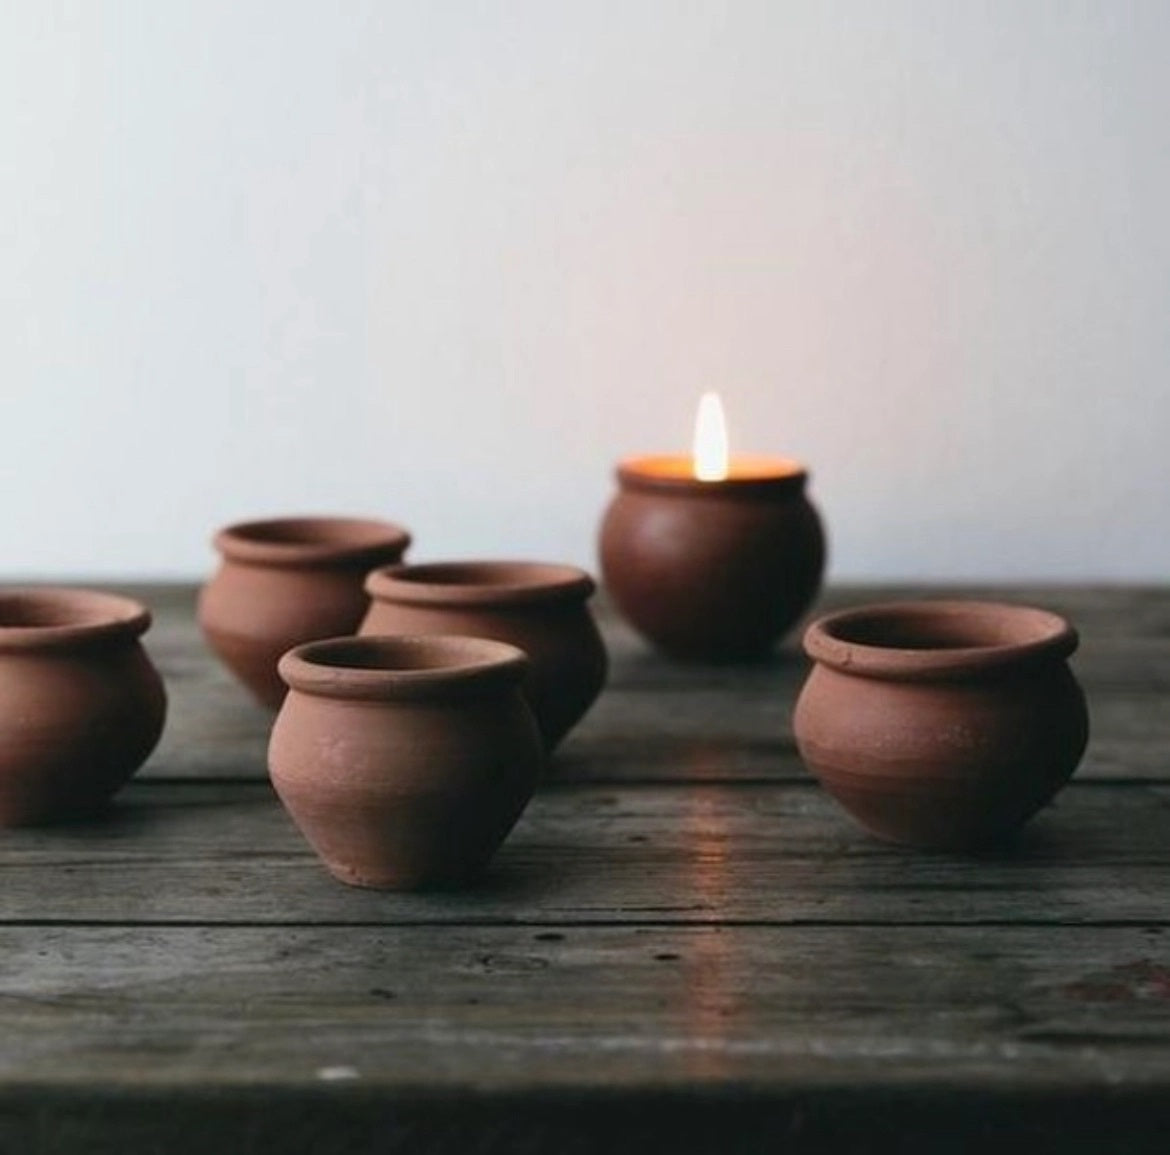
point(709, 991)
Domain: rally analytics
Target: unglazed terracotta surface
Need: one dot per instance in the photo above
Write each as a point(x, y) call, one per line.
point(711, 570)
point(540, 608)
point(942, 725)
point(405, 761)
point(81, 705)
point(287, 581)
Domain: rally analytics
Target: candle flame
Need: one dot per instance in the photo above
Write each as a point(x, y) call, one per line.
point(710, 439)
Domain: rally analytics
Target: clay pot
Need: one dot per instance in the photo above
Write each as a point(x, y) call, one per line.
point(941, 724)
point(81, 705)
point(540, 608)
point(404, 761)
point(711, 570)
point(287, 581)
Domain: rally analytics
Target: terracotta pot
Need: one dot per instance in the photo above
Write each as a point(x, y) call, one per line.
point(81, 705)
point(711, 570)
point(287, 581)
point(404, 761)
point(941, 724)
point(540, 608)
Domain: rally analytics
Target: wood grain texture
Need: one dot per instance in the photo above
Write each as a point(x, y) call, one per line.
point(456, 1039)
point(655, 855)
point(431, 1009)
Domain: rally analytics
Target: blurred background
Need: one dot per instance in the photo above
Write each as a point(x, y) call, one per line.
point(447, 262)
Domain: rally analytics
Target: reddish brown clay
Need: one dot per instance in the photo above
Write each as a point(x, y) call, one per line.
point(711, 570)
point(81, 705)
point(942, 724)
point(287, 581)
point(540, 608)
point(404, 761)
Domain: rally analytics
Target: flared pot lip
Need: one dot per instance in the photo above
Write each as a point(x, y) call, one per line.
point(937, 639)
point(42, 618)
point(476, 583)
point(320, 540)
point(396, 666)
point(754, 475)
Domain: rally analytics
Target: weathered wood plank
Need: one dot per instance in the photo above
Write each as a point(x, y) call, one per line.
point(650, 854)
point(488, 1009)
point(665, 721)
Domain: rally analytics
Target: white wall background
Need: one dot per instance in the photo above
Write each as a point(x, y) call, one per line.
point(447, 261)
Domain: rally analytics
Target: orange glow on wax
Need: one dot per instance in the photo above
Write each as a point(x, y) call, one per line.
point(741, 467)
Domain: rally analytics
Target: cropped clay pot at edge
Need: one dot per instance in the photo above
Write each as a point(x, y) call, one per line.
point(537, 606)
point(286, 581)
point(712, 571)
point(942, 724)
point(81, 705)
point(405, 761)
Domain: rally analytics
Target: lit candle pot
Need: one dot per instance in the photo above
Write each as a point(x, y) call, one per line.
point(710, 557)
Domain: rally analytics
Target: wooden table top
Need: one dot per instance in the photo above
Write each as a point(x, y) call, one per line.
point(684, 945)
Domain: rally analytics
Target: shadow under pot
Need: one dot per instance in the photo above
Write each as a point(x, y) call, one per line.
point(81, 705)
point(404, 761)
point(286, 581)
point(942, 725)
point(539, 607)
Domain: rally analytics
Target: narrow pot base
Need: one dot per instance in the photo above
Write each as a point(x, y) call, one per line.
point(361, 879)
point(961, 822)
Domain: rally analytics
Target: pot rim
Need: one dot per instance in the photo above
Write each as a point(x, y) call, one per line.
point(479, 583)
point(672, 473)
point(39, 618)
point(312, 540)
point(397, 666)
point(935, 639)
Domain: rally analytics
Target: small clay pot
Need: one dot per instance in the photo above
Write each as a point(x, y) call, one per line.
point(287, 581)
point(81, 705)
point(942, 725)
point(712, 571)
point(540, 608)
point(404, 761)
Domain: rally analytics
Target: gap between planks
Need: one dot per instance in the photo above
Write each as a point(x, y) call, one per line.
point(573, 925)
